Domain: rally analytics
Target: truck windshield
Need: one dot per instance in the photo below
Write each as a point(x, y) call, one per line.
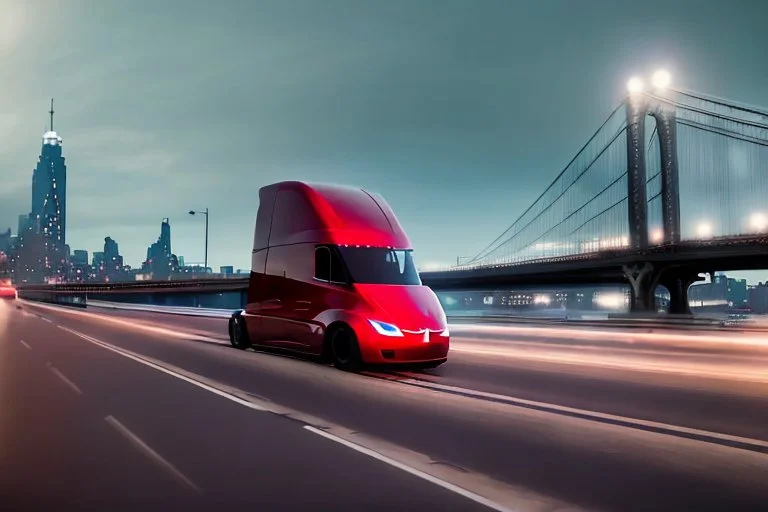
point(376, 265)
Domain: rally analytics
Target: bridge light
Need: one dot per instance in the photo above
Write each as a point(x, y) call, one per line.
point(635, 85)
point(704, 230)
point(758, 222)
point(657, 235)
point(661, 79)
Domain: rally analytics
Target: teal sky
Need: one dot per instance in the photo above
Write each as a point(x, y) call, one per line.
point(459, 113)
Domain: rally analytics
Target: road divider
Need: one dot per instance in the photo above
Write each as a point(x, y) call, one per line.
point(151, 308)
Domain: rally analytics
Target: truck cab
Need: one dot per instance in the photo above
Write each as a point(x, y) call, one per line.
point(333, 275)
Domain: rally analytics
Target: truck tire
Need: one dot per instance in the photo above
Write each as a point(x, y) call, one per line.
point(345, 350)
point(238, 333)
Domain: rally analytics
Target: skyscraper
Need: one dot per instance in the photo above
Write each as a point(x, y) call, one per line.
point(160, 261)
point(42, 253)
point(49, 190)
point(112, 258)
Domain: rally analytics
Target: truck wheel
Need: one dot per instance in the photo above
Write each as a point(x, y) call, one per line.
point(345, 350)
point(238, 333)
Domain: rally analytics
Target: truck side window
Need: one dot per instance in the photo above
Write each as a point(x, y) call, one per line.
point(338, 271)
point(322, 263)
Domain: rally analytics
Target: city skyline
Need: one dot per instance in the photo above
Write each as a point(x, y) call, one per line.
point(137, 135)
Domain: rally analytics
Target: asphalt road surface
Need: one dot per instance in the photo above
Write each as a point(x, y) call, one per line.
point(120, 410)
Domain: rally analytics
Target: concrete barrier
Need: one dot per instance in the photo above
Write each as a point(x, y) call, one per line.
point(175, 310)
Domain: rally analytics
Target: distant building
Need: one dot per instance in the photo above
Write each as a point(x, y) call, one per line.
point(723, 292)
point(81, 270)
point(5, 241)
point(758, 298)
point(98, 266)
point(80, 257)
point(113, 262)
point(737, 292)
point(23, 224)
point(161, 262)
point(227, 270)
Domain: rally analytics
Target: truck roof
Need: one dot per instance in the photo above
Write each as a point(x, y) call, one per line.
point(293, 212)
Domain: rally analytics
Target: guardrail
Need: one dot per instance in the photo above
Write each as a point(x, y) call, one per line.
point(181, 286)
point(175, 310)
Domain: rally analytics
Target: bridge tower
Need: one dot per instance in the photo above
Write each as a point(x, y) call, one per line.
point(637, 207)
point(644, 278)
point(666, 124)
point(639, 107)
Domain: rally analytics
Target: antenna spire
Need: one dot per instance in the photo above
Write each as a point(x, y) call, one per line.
point(51, 112)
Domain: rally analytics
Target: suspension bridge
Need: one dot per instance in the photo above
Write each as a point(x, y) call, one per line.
point(672, 184)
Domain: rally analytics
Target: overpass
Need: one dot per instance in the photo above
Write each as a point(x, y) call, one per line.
point(673, 184)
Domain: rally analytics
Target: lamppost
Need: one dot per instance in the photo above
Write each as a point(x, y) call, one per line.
point(193, 212)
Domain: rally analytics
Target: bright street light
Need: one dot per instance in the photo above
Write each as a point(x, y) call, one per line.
point(635, 85)
point(758, 222)
point(704, 230)
point(193, 212)
point(661, 79)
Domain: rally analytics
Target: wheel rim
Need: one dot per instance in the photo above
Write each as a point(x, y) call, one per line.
point(342, 346)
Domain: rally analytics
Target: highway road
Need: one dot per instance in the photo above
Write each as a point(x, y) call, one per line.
point(124, 409)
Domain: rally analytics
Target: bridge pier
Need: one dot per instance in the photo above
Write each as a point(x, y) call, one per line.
point(678, 281)
point(642, 280)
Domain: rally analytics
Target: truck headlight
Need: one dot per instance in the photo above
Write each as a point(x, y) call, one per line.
point(385, 329)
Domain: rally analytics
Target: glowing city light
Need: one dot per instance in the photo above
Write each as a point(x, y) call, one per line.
point(759, 222)
point(610, 300)
point(661, 79)
point(635, 85)
point(704, 230)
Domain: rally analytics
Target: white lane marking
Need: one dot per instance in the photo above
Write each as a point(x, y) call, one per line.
point(46, 319)
point(137, 358)
point(152, 454)
point(582, 412)
point(64, 379)
point(413, 471)
point(25, 344)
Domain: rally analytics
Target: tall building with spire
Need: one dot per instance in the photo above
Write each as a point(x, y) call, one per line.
point(42, 249)
point(49, 189)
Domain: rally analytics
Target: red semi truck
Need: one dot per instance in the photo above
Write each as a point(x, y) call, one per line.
point(332, 275)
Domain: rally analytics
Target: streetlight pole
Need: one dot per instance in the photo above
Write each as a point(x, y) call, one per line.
point(193, 212)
